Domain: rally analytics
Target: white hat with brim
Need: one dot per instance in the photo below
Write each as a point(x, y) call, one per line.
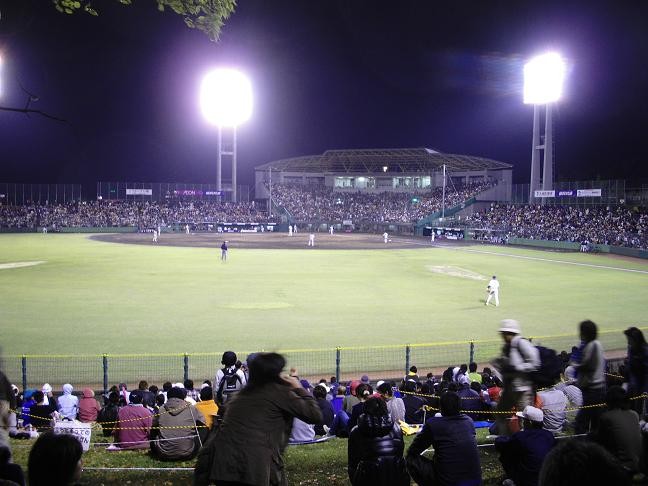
point(531, 413)
point(510, 325)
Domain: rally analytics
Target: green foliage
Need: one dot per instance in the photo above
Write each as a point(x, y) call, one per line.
point(208, 16)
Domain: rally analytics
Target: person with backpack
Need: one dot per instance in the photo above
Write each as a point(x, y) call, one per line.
point(518, 361)
point(229, 380)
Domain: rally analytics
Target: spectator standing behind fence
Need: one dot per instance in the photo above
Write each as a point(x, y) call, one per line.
point(248, 446)
point(375, 449)
point(637, 367)
point(590, 378)
point(68, 404)
point(519, 358)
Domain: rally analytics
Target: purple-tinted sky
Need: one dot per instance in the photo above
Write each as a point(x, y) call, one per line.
point(327, 74)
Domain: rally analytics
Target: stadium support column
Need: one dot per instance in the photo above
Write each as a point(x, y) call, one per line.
point(219, 162)
point(535, 155)
point(547, 169)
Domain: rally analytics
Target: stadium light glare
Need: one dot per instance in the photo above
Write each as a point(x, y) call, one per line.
point(385, 168)
point(543, 79)
point(226, 97)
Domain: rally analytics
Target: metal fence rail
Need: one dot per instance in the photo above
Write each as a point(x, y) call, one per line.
point(102, 371)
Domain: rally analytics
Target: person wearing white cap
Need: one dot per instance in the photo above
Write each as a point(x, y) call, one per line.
point(519, 358)
point(47, 391)
point(522, 453)
point(492, 291)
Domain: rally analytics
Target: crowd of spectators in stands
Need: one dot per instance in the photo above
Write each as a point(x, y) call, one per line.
point(319, 203)
point(617, 226)
point(138, 214)
point(175, 421)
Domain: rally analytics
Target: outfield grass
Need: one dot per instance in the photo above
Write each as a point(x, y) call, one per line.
point(96, 297)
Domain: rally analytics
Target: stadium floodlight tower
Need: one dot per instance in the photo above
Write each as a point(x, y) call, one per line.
point(543, 85)
point(226, 101)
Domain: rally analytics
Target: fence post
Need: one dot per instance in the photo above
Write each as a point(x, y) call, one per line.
point(24, 372)
point(472, 352)
point(338, 354)
point(105, 373)
point(407, 359)
point(186, 367)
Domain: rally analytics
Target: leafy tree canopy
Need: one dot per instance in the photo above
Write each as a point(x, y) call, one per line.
point(207, 16)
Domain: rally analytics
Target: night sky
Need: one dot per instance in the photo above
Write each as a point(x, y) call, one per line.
point(327, 74)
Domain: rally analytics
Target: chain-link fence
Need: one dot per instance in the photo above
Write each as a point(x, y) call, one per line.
point(102, 371)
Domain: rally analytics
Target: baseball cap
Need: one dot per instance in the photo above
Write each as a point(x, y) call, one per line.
point(178, 385)
point(531, 413)
point(510, 325)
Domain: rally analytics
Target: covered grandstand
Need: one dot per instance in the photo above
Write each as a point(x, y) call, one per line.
point(381, 170)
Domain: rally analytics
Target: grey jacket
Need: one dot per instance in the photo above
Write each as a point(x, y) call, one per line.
point(523, 358)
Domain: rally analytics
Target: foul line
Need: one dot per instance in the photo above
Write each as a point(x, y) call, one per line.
point(578, 264)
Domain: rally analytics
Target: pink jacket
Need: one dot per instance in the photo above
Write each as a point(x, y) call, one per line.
point(134, 427)
point(88, 406)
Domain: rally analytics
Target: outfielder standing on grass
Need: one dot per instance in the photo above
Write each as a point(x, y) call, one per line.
point(493, 291)
point(224, 251)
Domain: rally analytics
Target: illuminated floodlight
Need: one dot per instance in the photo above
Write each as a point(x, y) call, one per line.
point(226, 97)
point(543, 79)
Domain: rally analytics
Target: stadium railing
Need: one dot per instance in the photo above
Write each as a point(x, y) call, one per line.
point(103, 371)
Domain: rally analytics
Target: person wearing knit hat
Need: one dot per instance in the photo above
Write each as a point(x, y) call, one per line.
point(518, 360)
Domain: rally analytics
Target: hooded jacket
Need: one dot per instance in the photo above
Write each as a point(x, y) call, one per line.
point(177, 418)
point(68, 404)
point(376, 453)
point(88, 406)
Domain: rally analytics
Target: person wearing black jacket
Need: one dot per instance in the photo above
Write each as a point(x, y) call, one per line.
point(375, 449)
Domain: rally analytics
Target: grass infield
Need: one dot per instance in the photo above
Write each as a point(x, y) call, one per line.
point(85, 296)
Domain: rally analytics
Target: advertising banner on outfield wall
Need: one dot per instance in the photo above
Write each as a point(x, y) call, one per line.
point(544, 193)
point(588, 193)
point(139, 192)
point(566, 193)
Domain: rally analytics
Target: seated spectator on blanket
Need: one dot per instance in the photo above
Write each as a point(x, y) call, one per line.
point(41, 414)
point(319, 392)
point(375, 449)
point(413, 404)
point(88, 406)
point(522, 453)
point(109, 414)
point(176, 427)
point(456, 460)
point(364, 391)
point(55, 459)
point(133, 424)
point(207, 406)
point(351, 399)
point(395, 405)
point(68, 404)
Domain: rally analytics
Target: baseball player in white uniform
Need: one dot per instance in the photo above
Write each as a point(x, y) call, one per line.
point(493, 291)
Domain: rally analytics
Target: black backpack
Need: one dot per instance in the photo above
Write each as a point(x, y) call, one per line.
point(550, 368)
point(230, 383)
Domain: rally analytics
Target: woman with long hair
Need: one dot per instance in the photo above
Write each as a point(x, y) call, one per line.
point(247, 447)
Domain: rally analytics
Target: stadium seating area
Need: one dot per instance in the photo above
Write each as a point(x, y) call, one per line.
point(127, 214)
point(612, 226)
point(317, 203)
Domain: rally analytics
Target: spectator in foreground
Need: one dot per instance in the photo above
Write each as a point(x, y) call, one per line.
point(8, 470)
point(637, 367)
point(522, 453)
point(55, 460)
point(68, 404)
point(248, 446)
point(618, 430)
point(176, 427)
point(7, 403)
point(575, 462)
point(375, 448)
point(456, 460)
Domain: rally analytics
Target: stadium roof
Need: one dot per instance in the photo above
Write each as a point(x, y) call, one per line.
point(373, 160)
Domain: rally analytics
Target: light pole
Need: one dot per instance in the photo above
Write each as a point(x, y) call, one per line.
point(226, 101)
point(543, 84)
